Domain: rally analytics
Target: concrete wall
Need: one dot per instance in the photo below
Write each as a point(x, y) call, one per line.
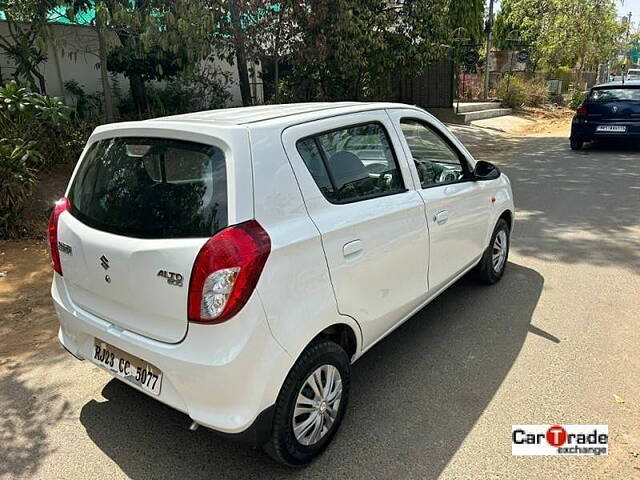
point(77, 59)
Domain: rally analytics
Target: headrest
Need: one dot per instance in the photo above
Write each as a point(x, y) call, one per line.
point(346, 167)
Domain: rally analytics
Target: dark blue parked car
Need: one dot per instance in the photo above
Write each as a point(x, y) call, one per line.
point(610, 111)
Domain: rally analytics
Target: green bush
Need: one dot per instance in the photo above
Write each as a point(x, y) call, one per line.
point(576, 97)
point(37, 132)
point(30, 116)
point(86, 106)
point(515, 91)
point(189, 92)
point(18, 163)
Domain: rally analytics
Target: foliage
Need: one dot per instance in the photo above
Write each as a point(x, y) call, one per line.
point(158, 39)
point(31, 116)
point(149, 64)
point(20, 105)
point(576, 98)
point(86, 106)
point(467, 14)
point(578, 33)
point(18, 159)
point(25, 42)
point(353, 49)
point(517, 91)
point(189, 92)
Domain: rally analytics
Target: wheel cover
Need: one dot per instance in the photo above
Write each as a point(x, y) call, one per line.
point(317, 405)
point(499, 251)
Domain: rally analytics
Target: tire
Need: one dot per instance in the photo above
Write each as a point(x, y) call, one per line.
point(284, 445)
point(486, 270)
point(576, 144)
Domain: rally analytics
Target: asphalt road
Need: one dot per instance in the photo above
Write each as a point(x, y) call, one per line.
point(552, 343)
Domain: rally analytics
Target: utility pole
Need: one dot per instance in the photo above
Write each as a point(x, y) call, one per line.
point(489, 29)
point(626, 48)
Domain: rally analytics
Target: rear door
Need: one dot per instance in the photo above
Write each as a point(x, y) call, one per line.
point(457, 207)
point(141, 209)
point(360, 195)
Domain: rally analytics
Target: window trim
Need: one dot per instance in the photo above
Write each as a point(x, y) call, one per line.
point(462, 158)
point(316, 141)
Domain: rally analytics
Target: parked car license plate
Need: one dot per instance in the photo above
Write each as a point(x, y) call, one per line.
point(126, 366)
point(611, 128)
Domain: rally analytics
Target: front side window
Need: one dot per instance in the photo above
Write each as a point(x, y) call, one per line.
point(151, 188)
point(436, 161)
point(353, 163)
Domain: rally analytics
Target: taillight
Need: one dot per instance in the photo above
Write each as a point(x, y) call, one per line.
point(582, 110)
point(226, 272)
point(61, 205)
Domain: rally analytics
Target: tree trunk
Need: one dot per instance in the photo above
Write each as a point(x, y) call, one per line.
point(139, 94)
point(241, 54)
point(41, 80)
point(104, 74)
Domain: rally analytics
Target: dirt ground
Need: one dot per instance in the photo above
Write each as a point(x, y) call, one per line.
point(542, 121)
point(27, 321)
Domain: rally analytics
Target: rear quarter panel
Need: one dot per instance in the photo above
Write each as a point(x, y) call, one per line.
point(295, 286)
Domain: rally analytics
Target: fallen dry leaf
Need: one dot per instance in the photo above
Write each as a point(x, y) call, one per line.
point(617, 398)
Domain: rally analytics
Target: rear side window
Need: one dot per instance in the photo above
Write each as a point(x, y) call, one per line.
point(353, 163)
point(151, 188)
point(600, 95)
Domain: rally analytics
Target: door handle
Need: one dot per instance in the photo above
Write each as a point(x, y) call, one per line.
point(352, 248)
point(441, 217)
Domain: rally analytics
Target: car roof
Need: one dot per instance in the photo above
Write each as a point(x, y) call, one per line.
point(618, 84)
point(283, 113)
point(269, 116)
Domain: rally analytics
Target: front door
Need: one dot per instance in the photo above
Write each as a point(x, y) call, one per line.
point(457, 207)
point(359, 192)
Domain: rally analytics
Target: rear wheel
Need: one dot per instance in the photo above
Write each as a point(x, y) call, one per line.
point(311, 404)
point(576, 144)
point(494, 261)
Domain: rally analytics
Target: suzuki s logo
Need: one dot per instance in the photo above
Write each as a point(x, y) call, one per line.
point(104, 261)
point(614, 109)
point(173, 278)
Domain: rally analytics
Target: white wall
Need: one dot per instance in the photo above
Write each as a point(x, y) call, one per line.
point(77, 57)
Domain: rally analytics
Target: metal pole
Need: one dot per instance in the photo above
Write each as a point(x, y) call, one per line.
point(486, 63)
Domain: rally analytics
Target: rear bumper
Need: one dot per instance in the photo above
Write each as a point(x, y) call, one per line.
point(586, 131)
point(225, 377)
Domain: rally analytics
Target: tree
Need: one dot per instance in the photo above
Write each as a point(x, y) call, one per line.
point(158, 39)
point(351, 49)
point(27, 38)
point(88, 13)
point(240, 48)
point(469, 15)
point(269, 33)
point(577, 33)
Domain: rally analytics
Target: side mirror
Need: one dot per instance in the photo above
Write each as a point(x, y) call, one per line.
point(485, 171)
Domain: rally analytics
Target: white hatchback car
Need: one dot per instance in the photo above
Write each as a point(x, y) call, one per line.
point(233, 264)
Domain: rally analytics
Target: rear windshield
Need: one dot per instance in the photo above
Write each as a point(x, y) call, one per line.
point(615, 95)
point(151, 188)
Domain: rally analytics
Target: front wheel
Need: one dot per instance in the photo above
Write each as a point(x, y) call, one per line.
point(494, 261)
point(311, 404)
